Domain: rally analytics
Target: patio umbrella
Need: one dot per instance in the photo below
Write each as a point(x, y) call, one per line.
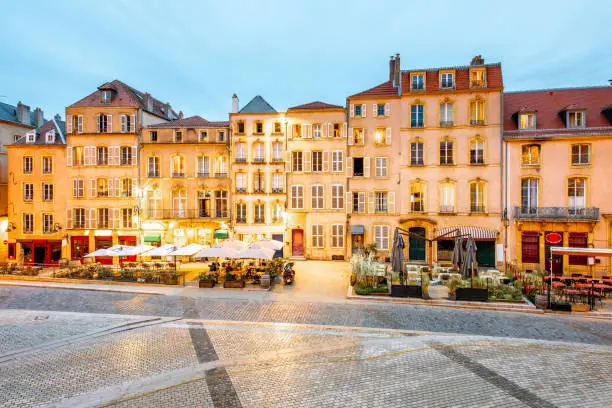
point(161, 251)
point(397, 256)
point(469, 259)
point(98, 252)
point(457, 252)
point(233, 244)
point(270, 243)
point(255, 252)
point(127, 250)
point(216, 251)
point(188, 250)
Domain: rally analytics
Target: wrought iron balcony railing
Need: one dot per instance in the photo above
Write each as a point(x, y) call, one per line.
point(258, 160)
point(477, 122)
point(556, 213)
point(259, 221)
point(240, 160)
point(178, 213)
point(241, 220)
point(240, 189)
point(203, 174)
point(178, 175)
point(153, 174)
point(477, 208)
point(449, 209)
point(221, 175)
point(277, 190)
point(478, 83)
point(446, 123)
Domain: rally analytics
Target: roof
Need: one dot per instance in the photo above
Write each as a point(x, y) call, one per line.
point(462, 77)
point(125, 96)
point(190, 122)
point(316, 105)
point(58, 126)
point(549, 103)
point(9, 113)
point(464, 230)
point(257, 105)
point(385, 89)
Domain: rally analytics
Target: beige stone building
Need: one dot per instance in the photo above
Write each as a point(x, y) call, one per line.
point(184, 178)
point(316, 181)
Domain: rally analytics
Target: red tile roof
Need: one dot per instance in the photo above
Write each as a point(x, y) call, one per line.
point(462, 77)
point(190, 122)
point(317, 105)
point(548, 103)
point(385, 89)
point(125, 95)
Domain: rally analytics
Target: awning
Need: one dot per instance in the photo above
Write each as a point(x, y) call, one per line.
point(152, 237)
point(475, 232)
point(357, 229)
point(221, 234)
point(582, 251)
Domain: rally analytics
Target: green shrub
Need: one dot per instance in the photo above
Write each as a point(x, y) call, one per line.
point(367, 290)
point(127, 275)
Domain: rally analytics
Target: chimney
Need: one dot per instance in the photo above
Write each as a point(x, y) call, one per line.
point(23, 113)
point(235, 103)
point(39, 117)
point(180, 114)
point(398, 70)
point(148, 102)
point(57, 118)
point(167, 109)
point(477, 60)
point(392, 68)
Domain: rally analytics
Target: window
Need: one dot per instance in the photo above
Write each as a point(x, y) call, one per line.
point(381, 202)
point(477, 151)
point(297, 197)
point(297, 130)
point(277, 152)
point(47, 165)
point(47, 192)
point(416, 116)
point(103, 218)
point(358, 110)
point(126, 218)
point(529, 196)
point(316, 197)
point(317, 130)
point(477, 203)
point(47, 223)
point(79, 218)
point(240, 127)
point(337, 132)
point(446, 153)
point(380, 109)
point(126, 187)
point(153, 136)
point(179, 204)
point(154, 204)
point(317, 161)
point(259, 155)
point(575, 119)
point(78, 158)
point(259, 185)
point(30, 137)
point(381, 237)
point(446, 114)
point(381, 167)
point(418, 82)
point(527, 121)
point(27, 165)
point(530, 155)
point(16, 138)
point(28, 223)
point(153, 166)
point(178, 166)
point(127, 123)
point(259, 213)
point(178, 136)
point(102, 153)
point(78, 188)
point(259, 127)
point(337, 201)
point(530, 243)
point(28, 191)
point(581, 154)
point(50, 137)
point(578, 240)
point(416, 153)
point(277, 127)
point(77, 124)
point(337, 236)
point(358, 136)
point(277, 183)
point(241, 213)
point(359, 202)
point(447, 80)
point(241, 152)
point(416, 197)
point(477, 78)
point(241, 182)
point(297, 161)
point(337, 161)
point(477, 117)
point(106, 96)
point(317, 236)
point(203, 166)
point(379, 137)
point(358, 167)
point(101, 187)
point(221, 136)
point(104, 122)
point(221, 166)
point(447, 197)
point(126, 156)
point(576, 193)
point(277, 212)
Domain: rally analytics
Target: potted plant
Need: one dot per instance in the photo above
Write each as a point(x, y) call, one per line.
point(476, 292)
point(206, 280)
point(453, 284)
point(232, 280)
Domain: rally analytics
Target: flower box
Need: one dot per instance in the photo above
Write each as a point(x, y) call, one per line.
point(207, 284)
point(233, 284)
point(406, 291)
point(472, 294)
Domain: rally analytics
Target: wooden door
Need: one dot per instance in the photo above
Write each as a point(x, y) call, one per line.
point(416, 250)
point(297, 248)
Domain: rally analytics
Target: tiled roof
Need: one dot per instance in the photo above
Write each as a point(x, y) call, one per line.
point(58, 126)
point(190, 122)
point(317, 105)
point(125, 95)
point(462, 77)
point(548, 103)
point(257, 105)
point(9, 114)
point(383, 90)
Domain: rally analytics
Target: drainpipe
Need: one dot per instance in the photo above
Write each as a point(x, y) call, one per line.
point(349, 245)
point(503, 193)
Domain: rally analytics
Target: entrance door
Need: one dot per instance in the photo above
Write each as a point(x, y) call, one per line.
point(129, 241)
point(40, 252)
point(557, 260)
point(80, 248)
point(485, 253)
point(357, 240)
point(416, 250)
point(297, 248)
point(278, 237)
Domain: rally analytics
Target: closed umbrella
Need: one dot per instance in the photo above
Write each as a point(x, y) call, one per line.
point(233, 244)
point(397, 256)
point(270, 243)
point(216, 251)
point(469, 259)
point(458, 252)
point(255, 252)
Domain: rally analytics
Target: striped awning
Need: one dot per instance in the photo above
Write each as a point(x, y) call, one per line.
point(465, 230)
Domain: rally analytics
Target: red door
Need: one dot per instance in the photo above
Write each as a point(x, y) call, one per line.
point(129, 241)
point(79, 248)
point(297, 248)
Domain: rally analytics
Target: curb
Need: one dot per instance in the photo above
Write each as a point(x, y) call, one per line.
point(34, 284)
point(80, 281)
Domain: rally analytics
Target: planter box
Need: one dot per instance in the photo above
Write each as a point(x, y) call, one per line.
point(472, 294)
point(406, 291)
point(561, 307)
point(206, 284)
point(580, 308)
point(541, 301)
point(233, 284)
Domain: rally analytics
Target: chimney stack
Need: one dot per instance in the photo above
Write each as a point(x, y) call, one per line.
point(235, 104)
point(392, 68)
point(39, 117)
point(148, 102)
point(167, 109)
point(180, 114)
point(398, 70)
point(23, 113)
point(57, 118)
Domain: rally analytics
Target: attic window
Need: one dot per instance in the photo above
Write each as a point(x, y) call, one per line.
point(106, 96)
point(527, 121)
point(30, 137)
point(575, 119)
point(16, 138)
point(50, 137)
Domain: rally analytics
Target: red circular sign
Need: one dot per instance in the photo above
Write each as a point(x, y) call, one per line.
point(5, 242)
point(554, 238)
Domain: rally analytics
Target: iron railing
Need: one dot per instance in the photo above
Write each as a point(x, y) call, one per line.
point(258, 160)
point(477, 208)
point(221, 175)
point(184, 214)
point(240, 160)
point(277, 190)
point(556, 213)
point(477, 122)
point(479, 83)
point(241, 220)
point(446, 123)
point(447, 209)
point(203, 174)
point(178, 175)
point(240, 189)
point(153, 174)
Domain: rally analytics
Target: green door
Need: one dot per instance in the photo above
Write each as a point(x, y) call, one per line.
point(416, 251)
point(485, 254)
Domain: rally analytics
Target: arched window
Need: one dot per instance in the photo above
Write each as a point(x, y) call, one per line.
point(477, 196)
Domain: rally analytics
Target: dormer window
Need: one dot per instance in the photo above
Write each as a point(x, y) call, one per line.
point(478, 78)
point(203, 136)
point(527, 121)
point(178, 136)
point(240, 127)
point(418, 82)
point(447, 80)
point(30, 137)
point(50, 137)
point(277, 127)
point(16, 138)
point(221, 136)
point(575, 119)
point(106, 96)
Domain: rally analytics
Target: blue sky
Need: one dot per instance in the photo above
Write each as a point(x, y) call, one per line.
point(196, 54)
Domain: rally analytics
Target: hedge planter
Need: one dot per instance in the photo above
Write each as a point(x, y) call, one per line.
point(406, 291)
point(207, 284)
point(561, 307)
point(541, 301)
point(472, 294)
point(233, 284)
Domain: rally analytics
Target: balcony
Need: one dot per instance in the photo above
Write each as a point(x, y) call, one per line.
point(203, 174)
point(259, 221)
point(153, 174)
point(221, 175)
point(477, 122)
point(477, 209)
point(178, 175)
point(240, 160)
point(260, 190)
point(556, 213)
point(240, 190)
point(241, 220)
point(201, 213)
point(258, 160)
point(446, 123)
point(277, 190)
point(277, 160)
point(478, 83)
point(447, 209)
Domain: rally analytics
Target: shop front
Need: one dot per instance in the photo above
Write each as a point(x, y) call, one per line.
point(152, 239)
point(79, 247)
point(41, 252)
point(104, 243)
point(128, 240)
point(484, 238)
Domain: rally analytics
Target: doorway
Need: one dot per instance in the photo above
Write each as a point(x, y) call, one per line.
point(357, 240)
point(278, 237)
point(40, 252)
point(416, 251)
point(297, 239)
point(557, 260)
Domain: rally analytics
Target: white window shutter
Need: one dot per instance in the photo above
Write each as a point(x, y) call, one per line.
point(350, 138)
point(132, 123)
point(68, 123)
point(69, 218)
point(326, 161)
point(364, 110)
point(309, 131)
point(371, 202)
point(349, 166)
point(390, 230)
point(352, 110)
point(348, 202)
point(366, 167)
point(288, 163)
point(344, 126)
point(374, 110)
point(324, 129)
point(123, 124)
point(289, 132)
point(92, 218)
point(365, 136)
point(388, 136)
point(117, 152)
point(80, 123)
point(111, 187)
point(117, 187)
point(391, 202)
point(387, 109)
point(134, 186)
point(361, 201)
point(134, 155)
point(98, 122)
point(116, 218)
point(110, 123)
point(330, 130)
point(307, 161)
point(69, 156)
point(88, 155)
point(92, 188)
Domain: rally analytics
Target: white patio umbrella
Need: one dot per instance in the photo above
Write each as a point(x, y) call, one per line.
point(270, 243)
point(98, 252)
point(189, 250)
point(127, 250)
point(161, 251)
point(216, 251)
point(256, 252)
point(233, 244)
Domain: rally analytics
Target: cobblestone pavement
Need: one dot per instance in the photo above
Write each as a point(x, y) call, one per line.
point(221, 363)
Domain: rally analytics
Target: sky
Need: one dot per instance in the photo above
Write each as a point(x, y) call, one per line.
point(196, 54)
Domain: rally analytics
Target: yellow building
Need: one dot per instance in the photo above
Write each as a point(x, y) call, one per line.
point(557, 147)
point(36, 190)
point(316, 181)
point(185, 181)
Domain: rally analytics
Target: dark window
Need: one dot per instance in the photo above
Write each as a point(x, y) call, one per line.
point(531, 247)
point(358, 166)
point(578, 240)
point(154, 136)
point(240, 127)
